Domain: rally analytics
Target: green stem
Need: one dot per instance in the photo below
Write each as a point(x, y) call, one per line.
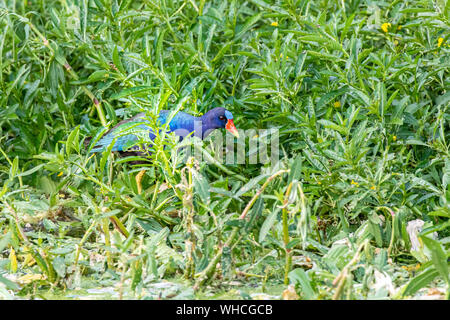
point(391, 243)
point(105, 227)
point(209, 270)
point(343, 276)
point(188, 210)
point(16, 219)
point(119, 226)
point(10, 163)
point(83, 240)
point(286, 238)
point(391, 213)
point(255, 197)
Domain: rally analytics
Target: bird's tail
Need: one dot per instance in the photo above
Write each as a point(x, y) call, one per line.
point(97, 148)
point(87, 142)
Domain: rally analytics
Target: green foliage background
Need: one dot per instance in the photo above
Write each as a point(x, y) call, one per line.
point(364, 130)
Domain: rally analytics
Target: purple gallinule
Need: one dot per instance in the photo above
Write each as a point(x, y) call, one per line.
point(182, 124)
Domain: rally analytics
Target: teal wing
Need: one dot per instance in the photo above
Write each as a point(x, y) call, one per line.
point(125, 134)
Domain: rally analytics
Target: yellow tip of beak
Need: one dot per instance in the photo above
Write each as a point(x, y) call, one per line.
point(232, 128)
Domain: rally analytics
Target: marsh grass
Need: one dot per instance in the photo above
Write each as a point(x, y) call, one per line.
point(358, 93)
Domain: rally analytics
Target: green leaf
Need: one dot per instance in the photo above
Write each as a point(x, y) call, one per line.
point(375, 229)
point(96, 76)
point(331, 125)
point(443, 99)
point(40, 262)
point(420, 281)
point(250, 185)
point(438, 257)
point(267, 225)
point(9, 284)
point(137, 273)
point(73, 141)
point(60, 266)
point(117, 61)
point(201, 187)
point(255, 213)
point(130, 91)
point(296, 169)
point(248, 25)
point(424, 184)
point(5, 240)
point(299, 276)
point(327, 98)
point(31, 171)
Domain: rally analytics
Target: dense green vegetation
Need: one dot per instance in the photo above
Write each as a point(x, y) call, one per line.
point(358, 90)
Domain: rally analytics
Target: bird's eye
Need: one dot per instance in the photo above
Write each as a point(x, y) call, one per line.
point(222, 118)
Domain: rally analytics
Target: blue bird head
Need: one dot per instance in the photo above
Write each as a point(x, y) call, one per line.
point(218, 118)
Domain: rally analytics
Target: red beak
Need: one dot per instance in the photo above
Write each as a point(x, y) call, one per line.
point(232, 128)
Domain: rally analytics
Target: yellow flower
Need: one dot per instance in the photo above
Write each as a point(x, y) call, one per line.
point(385, 26)
point(355, 183)
point(281, 56)
point(274, 24)
point(337, 104)
point(440, 40)
point(60, 174)
point(399, 28)
point(394, 138)
point(373, 188)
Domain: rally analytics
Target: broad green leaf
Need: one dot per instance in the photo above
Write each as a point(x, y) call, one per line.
point(299, 276)
point(438, 257)
point(267, 225)
point(248, 25)
point(295, 170)
point(420, 281)
point(201, 187)
point(60, 266)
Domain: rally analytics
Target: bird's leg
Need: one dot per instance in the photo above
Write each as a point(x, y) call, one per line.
point(139, 177)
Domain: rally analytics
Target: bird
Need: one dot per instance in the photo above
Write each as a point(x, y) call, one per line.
point(182, 124)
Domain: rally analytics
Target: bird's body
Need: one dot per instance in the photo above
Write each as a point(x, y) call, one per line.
point(125, 134)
